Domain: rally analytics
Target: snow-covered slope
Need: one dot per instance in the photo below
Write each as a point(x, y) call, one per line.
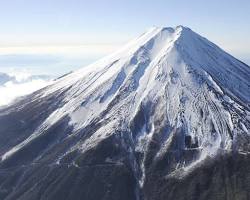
point(168, 94)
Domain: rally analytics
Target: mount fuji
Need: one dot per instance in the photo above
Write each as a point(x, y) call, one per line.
point(165, 117)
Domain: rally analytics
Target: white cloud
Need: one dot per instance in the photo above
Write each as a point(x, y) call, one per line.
point(22, 84)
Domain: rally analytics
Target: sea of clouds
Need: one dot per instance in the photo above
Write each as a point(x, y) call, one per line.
point(17, 84)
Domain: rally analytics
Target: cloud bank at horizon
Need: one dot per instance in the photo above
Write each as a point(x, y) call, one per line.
point(20, 84)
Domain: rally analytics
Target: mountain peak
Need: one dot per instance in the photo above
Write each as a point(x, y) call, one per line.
point(172, 29)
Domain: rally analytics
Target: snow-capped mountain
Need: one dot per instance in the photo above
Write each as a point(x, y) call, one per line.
point(165, 117)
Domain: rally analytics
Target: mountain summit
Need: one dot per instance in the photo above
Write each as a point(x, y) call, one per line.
point(165, 117)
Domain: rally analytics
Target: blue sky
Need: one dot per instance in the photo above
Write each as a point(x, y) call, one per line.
point(55, 36)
